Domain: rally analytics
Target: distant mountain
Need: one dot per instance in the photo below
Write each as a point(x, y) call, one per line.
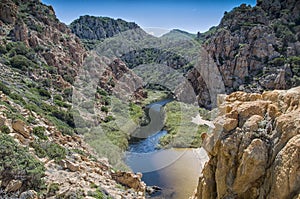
point(179, 33)
point(92, 29)
point(157, 32)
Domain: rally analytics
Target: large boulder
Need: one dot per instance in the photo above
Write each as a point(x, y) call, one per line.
point(257, 157)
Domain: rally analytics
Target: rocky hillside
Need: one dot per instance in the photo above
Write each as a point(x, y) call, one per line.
point(38, 160)
point(36, 26)
point(94, 29)
point(257, 48)
point(41, 149)
point(254, 149)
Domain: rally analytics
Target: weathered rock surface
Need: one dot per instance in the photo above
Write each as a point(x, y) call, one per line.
point(130, 180)
point(255, 148)
point(253, 49)
point(20, 127)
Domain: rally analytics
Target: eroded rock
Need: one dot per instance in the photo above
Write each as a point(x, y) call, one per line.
point(259, 158)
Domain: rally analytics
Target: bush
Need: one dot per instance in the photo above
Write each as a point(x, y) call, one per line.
point(21, 62)
point(102, 92)
point(18, 48)
point(55, 151)
point(105, 100)
point(108, 118)
point(67, 94)
point(17, 163)
point(66, 130)
point(43, 92)
point(39, 131)
point(2, 50)
point(104, 109)
point(17, 97)
point(5, 129)
point(4, 88)
point(51, 150)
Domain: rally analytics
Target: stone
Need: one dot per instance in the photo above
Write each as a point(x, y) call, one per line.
point(230, 124)
point(252, 166)
point(252, 124)
point(13, 186)
point(285, 170)
point(20, 127)
point(130, 180)
point(31, 194)
point(72, 166)
point(260, 157)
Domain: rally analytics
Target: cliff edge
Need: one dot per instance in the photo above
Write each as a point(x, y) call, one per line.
point(255, 147)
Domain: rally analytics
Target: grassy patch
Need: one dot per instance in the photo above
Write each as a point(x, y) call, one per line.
point(136, 112)
point(154, 96)
point(109, 142)
point(182, 132)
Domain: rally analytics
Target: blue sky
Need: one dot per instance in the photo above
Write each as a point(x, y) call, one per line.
point(188, 15)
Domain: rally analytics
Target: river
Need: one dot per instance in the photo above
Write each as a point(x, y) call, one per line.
point(176, 171)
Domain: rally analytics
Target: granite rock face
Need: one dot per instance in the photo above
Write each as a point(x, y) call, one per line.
point(254, 149)
point(256, 48)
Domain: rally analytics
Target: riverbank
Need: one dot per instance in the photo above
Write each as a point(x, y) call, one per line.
point(163, 167)
point(182, 131)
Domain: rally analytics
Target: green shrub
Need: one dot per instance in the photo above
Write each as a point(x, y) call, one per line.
point(104, 109)
point(3, 49)
point(67, 94)
point(31, 120)
point(39, 150)
point(66, 130)
point(97, 194)
point(4, 129)
point(17, 98)
point(102, 92)
point(109, 118)
point(21, 62)
point(62, 104)
point(17, 163)
point(39, 131)
point(55, 151)
point(19, 48)
point(53, 188)
point(51, 150)
point(4, 88)
point(66, 117)
point(279, 61)
point(105, 100)
point(43, 92)
point(58, 97)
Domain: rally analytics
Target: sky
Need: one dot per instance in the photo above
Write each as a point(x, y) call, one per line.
point(188, 15)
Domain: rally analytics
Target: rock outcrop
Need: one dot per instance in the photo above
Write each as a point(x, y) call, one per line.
point(254, 148)
point(257, 48)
